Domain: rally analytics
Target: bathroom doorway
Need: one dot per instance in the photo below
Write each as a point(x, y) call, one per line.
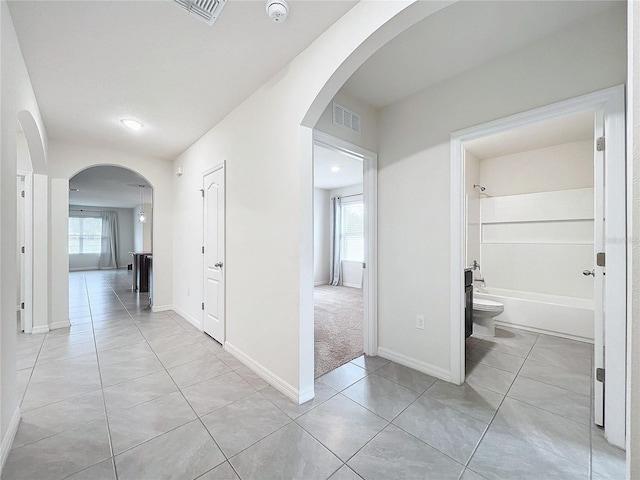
point(344, 219)
point(531, 191)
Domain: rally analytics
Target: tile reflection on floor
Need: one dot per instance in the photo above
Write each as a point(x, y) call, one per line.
point(125, 393)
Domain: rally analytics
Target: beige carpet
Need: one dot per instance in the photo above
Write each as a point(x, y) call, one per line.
point(338, 326)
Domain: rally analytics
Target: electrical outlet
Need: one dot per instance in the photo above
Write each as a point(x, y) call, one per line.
point(420, 322)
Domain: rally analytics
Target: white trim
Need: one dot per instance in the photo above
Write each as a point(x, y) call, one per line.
point(7, 441)
point(317, 284)
point(352, 285)
point(370, 198)
point(281, 385)
point(611, 101)
point(192, 320)
point(63, 324)
point(161, 308)
point(543, 331)
point(28, 246)
point(41, 329)
point(423, 367)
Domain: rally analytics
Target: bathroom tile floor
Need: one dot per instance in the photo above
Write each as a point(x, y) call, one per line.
point(129, 394)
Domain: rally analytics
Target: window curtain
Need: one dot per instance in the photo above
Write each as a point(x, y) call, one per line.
point(336, 234)
point(109, 246)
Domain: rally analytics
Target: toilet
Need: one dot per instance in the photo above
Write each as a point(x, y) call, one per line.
point(484, 311)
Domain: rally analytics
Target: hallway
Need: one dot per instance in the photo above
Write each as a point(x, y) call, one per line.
point(129, 394)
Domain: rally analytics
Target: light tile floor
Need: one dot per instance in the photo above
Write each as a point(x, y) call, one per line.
point(129, 394)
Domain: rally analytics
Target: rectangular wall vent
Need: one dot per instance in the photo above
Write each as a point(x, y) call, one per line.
point(346, 118)
point(206, 10)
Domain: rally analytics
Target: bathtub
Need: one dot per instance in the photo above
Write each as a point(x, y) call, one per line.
point(568, 317)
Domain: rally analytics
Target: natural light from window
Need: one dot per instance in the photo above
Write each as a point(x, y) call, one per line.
point(85, 235)
point(353, 232)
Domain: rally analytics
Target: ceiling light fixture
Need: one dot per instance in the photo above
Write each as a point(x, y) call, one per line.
point(131, 124)
point(142, 218)
point(335, 169)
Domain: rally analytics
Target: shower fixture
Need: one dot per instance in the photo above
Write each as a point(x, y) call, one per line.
point(482, 189)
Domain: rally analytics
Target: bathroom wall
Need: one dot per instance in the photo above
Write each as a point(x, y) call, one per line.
point(537, 220)
point(472, 206)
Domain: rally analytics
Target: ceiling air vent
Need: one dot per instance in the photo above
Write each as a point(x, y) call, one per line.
point(346, 118)
point(206, 10)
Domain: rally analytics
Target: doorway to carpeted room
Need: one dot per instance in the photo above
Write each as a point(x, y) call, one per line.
point(338, 326)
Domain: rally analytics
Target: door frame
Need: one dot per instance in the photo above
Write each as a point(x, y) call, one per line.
point(28, 247)
point(611, 102)
point(370, 199)
point(220, 166)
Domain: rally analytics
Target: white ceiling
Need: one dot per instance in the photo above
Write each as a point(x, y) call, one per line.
point(324, 159)
point(460, 37)
point(107, 186)
point(92, 63)
point(557, 131)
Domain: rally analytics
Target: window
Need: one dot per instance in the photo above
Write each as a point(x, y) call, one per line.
point(353, 231)
point(85, 235)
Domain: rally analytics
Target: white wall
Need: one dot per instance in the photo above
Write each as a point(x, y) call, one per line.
point(414, 172)
point(558, 167)
point(17, 96)
point(269, 202)
point(367, 138)
point(321, 236)
point(633, 159)
point(67, 159)
point(125, 217)
point(472, 200)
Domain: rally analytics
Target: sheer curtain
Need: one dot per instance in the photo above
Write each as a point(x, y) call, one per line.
point(109, 246)
point(336, 234)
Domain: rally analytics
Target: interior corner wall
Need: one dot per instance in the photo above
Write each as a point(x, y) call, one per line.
point(633, 159)
point(367, 138)
point(321, 236)
point(414, 224)
point(17, 96)
point(67, 159)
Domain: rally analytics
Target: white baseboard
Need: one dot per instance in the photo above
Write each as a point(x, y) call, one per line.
point(285, 388)
point(352, 285)
point(423, 367)
point(192, 320)
point(161, 308)
point(41, 329)
point(317, 284)
point(544, 332)
point(7, 441)
point(64, 324)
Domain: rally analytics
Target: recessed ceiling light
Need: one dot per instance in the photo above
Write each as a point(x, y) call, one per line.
point(131, 124)
point(335, 169)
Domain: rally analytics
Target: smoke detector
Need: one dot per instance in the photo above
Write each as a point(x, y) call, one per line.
point(205, 10)
point(277, 10)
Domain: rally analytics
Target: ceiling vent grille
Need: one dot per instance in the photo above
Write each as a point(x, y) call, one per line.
point(346, 118)
point(205, 10)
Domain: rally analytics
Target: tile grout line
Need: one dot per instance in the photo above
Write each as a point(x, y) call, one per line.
point(104, 402)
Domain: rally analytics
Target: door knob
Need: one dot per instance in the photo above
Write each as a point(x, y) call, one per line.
point(219, 265)
point(586, 273)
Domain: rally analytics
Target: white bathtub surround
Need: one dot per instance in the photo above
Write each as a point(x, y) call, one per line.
point(564, 316)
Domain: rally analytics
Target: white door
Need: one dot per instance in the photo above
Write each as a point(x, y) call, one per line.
point(214, 208)
point(21, 252)
point(609, 270)
point(598, 274)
